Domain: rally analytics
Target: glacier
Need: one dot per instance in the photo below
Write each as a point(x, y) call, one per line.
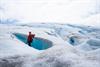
point(83, 51)
point(67, 33)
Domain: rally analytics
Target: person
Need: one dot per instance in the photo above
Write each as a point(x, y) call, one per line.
point(30, 38)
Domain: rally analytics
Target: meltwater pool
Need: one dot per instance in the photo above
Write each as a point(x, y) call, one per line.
point(38, 43)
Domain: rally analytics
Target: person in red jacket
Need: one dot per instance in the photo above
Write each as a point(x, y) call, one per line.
point(30, 38)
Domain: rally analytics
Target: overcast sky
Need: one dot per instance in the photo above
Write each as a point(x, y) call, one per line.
point(61, 11)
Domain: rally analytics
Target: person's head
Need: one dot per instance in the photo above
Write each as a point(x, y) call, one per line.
point(29, 33)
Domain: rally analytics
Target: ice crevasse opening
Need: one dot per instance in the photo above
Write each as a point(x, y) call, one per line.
point(38, 43)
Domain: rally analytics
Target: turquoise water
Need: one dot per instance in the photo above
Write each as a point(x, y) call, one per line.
point(38, 43)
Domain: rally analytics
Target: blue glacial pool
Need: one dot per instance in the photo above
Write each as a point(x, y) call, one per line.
point(38, 43)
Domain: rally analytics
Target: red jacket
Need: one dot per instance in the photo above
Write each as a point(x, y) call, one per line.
point(30, 37)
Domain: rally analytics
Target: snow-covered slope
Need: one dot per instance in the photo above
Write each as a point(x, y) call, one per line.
point(62, 11)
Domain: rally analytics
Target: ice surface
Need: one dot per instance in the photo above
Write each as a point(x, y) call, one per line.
point(70, 48)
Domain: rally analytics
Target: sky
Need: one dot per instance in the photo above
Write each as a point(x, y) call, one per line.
point(59, 11)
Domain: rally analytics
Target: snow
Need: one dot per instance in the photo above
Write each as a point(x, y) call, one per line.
point(84, 51)
point(59, 11)
point(66, 45)
point(94, 20)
